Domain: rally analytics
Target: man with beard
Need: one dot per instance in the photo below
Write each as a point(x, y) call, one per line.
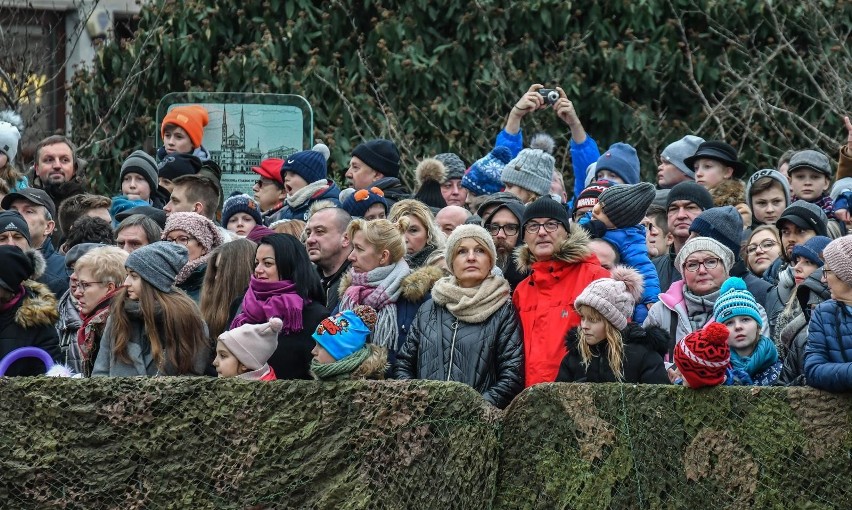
point(504, 225)
point(56, 169)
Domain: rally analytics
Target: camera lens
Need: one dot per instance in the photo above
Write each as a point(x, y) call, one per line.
point(553, 96)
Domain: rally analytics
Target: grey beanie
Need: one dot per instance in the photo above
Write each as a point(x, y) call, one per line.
point(626, 204)
point(454, 165)
point(677, 151)
point(772, 174)
point(139, 162)
point(703, 244)
point(815, 160)
point(159, 263)
point(532, 169)
point(724, 224)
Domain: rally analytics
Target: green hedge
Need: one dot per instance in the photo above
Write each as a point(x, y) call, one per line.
point(199, 443)
point(442, 77)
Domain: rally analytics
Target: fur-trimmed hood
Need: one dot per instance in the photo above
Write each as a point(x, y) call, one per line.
point(572, 250)
point(654, 338)
point(375, 366)
point(728, 192)
point(38, 308)
point(415, 286)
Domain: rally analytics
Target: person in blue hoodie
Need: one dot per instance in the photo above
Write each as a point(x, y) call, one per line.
point(305, 176)
point(828, 355)
point(616, 218)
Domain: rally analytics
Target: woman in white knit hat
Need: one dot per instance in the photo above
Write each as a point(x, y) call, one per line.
point(468, 332)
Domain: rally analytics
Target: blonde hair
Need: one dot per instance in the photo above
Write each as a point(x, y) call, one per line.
point(420, 211)
point(293, 227)
point(762, 228)
point(382, 235)
point(614, 342)
point(106, 264)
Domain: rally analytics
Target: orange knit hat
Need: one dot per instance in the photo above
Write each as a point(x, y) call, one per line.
point(191, 118)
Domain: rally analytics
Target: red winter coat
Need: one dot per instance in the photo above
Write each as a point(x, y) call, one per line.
point(545, 302)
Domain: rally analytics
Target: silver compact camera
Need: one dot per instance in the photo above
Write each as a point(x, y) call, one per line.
point(550, 95)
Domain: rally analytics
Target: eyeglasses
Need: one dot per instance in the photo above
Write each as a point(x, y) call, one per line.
point(184, 240)
point(75, 284)
point(708, 265)
point(764, 245)
point(534, 227)
point(264, 182)
point(510, 229)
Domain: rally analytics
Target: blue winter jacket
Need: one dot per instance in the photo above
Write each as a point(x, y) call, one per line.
point(828, 355)
point(56, 275)
point(582, 155)
point(633, 252)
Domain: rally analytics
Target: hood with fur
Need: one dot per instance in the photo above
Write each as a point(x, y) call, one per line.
point(415, 286)
point(38, 308)
point(375, 366)
point(728, 192)
point(574, 249)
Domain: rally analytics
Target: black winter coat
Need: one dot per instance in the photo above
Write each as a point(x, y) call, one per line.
point(487, 356)
point(292, 358)
point(30, 323)
point(642, 361)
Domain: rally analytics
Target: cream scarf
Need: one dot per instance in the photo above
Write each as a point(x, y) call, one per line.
point(472, 305)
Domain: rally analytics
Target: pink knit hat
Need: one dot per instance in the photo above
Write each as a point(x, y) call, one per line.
point(836, 256)
point(196, 225)
point(253, 344)
point(614, 297)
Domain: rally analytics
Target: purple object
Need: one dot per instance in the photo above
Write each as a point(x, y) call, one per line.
point(25, 352)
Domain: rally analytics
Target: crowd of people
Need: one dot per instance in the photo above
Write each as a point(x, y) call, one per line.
point(485, 274)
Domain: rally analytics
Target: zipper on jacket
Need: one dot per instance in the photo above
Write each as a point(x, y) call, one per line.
point(452, 348)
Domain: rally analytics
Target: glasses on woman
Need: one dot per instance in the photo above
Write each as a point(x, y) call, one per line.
point(549, 226)
point(184, 240)
point(84, 286)
point(510, 229)
point(693, 265)
point(765, 245)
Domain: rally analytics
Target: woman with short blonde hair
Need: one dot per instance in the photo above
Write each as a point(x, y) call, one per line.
point(422, 237)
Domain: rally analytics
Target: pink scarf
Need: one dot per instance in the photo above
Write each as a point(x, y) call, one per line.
point(266, 299)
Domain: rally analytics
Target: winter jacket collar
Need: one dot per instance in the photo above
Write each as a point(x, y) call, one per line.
point(654, 338)
point(38, 307)
point(674, 296)
point(573, 250)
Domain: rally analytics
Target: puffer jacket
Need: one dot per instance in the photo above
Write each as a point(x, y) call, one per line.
point(672, 307)
point(30, 322)
point(545, 302)
point(828, 355)
point(642, 361)
point(487, 356)
point(630, 242)
point(329, 192)
point(794, 337)
point(66, 327)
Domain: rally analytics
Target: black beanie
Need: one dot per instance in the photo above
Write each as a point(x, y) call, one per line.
point(17, 266)
point(380, 155)
point(178, 164)
point(546, 207)
point(692, 191)
point(430, 194)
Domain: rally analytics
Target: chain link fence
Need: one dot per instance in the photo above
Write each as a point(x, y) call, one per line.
point(200, 443)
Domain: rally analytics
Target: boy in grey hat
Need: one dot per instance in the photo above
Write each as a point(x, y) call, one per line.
point(810, 178)
point(672, 170)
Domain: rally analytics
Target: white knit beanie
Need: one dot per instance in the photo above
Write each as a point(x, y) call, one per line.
point(614, 297)
point(705, 244)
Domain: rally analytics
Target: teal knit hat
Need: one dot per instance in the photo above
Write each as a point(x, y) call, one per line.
point(736, 301)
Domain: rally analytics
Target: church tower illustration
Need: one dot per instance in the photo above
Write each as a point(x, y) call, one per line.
point(233, 156)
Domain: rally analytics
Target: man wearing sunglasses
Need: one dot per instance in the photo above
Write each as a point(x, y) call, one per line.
point(561, 265)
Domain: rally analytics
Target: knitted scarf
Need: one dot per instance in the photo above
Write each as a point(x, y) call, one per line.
point(266, 299)
point(89, 334)
point(379, 288)
point(824, 202)
point(764, 356)
point(342, 368)
point(416, 260)
point(191, 266)
point(472, 305)
point(699, 309)
point(303, 195)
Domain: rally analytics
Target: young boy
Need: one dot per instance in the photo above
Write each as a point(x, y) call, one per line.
point(620, 209)
point(244, 351)
point(810, 179)
point(182, 130)
point(342, 351)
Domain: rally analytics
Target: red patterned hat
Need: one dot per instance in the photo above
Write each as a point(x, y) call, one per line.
point(703, 357)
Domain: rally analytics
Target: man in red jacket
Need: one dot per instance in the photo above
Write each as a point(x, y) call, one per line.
point(561, 264)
